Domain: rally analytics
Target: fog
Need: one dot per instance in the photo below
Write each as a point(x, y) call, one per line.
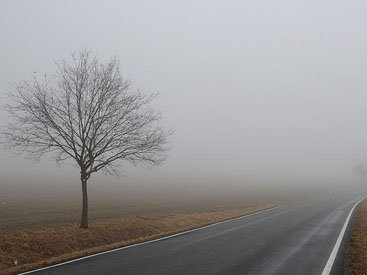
point(259, 93)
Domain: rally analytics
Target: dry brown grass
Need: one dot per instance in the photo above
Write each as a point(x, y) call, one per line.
point(356, 254)
point(36, 248)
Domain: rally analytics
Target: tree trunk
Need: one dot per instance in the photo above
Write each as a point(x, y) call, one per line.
point(84, 222)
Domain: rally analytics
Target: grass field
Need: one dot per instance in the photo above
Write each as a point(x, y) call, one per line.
point(31, 213)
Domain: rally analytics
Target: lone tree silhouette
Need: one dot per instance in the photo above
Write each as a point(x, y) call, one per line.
point(89, 113)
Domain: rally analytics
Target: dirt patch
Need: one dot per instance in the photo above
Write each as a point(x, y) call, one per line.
point(24, 250)
point(356, 254)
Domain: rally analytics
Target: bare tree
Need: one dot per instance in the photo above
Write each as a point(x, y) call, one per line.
point(89, 113)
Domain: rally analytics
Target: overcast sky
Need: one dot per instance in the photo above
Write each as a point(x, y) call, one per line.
point(272, 90)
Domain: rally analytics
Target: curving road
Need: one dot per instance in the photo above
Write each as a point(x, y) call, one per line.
point(293, 239)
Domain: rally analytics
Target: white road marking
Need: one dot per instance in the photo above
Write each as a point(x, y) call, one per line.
point(331, 260)
point(155, 240)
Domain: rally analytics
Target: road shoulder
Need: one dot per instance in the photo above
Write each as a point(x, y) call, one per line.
point(356, 254)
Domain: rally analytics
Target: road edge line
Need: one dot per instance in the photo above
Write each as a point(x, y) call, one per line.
point(334, 252)
point(157, 240)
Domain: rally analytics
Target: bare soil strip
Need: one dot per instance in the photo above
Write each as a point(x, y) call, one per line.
point(356, 254)
point(25, 250)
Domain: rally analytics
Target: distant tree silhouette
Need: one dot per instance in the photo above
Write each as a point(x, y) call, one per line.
point(360, 170)
point(86, 112)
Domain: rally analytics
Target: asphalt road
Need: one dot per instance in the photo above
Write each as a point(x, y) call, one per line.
point(294, 239)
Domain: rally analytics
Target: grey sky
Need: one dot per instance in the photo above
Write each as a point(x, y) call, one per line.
point(254, 89)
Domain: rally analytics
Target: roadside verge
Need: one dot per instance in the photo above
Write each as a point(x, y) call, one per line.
point(356, 254)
